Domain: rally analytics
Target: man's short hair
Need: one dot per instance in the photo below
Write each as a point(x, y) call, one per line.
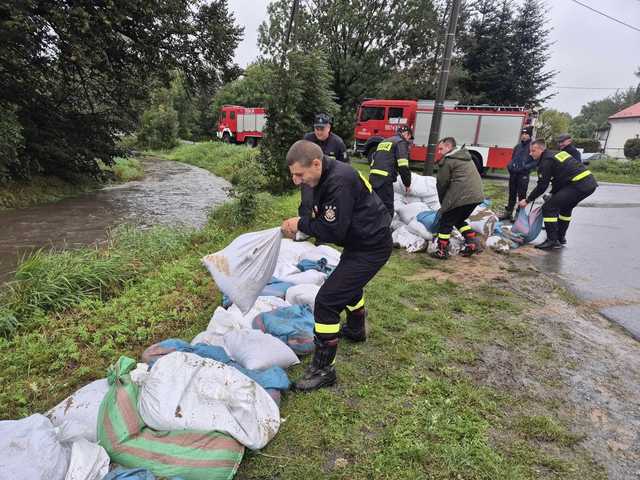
point(539, 142)
point(303, 152)
point(450, 141)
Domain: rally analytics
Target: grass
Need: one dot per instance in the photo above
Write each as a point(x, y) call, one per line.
point(46, 189)
point(616, 171)
point(407, 405)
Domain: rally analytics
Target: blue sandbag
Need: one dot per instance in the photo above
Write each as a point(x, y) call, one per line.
point(293, 325)
point(273, 377)
point(321, 265)
point(430, 219)
point(528, 225)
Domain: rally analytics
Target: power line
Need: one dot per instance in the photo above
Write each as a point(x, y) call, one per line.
point(591, 88)
point(605, 15)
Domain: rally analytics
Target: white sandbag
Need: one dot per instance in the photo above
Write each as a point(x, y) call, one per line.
point(223, 321)
point(323, 251)
point(291, 252)
point(497, 243)
point(284, 269)
point(210, 338)
point(31, 449)
point(419, 229)
point(410, 211)
point(404, 239)
point(304, 294)
point(310, 276)
point(245, 266)
point(432, 202)
point(256, 350)
point(483, 221)
point(185, 391)
point(395, 222)
point(263, 304)
point(89, 461)
point(82, 408)
point(421, 185)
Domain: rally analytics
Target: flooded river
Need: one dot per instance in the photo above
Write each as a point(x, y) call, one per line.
point(170, 193)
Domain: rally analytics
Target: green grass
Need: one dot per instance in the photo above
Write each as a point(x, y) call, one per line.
point(616, 171)
point(407, 405)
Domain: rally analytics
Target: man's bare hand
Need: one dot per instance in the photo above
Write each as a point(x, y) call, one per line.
point(407, 190)
point(522, 203)
point(289, 227)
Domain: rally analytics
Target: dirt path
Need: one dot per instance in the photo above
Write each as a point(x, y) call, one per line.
point(577, 363)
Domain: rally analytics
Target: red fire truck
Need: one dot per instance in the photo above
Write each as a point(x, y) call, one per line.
point(489, 132)
point(238, 124)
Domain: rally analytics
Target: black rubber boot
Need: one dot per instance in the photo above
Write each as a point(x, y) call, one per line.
point(552, 237)
point(563, 226)
point(355, 328)
point(321, 372)
point(470, 244)
point(442, 253)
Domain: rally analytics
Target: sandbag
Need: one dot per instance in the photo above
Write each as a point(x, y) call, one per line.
point(528, 225)
point(270, 378)
point(130, 474)
point(421, 185)
point(327, 252)
point(395, 222)
point(31, 449)
point(190, 454)
point(275, 288)
point(245, 266)
point(257, 350)
point(184, 391)
point(498, 244)
point(304, 294)
point(402, 238)
point(81, 408)
point(292, 252)
point(293, 325)
point(430, 219)
point(411, 211)
point(310, 276)
point(482, 221)
point(89, 461)
point(419, 229)
point(262, 304)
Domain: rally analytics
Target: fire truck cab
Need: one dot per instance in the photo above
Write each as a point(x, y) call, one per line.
point(489, 132)
point(238, 124)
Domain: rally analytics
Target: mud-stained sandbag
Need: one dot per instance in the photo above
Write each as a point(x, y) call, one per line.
point(483, 221)
point(81, 408)
point(31, 449)
point(245, 266)
point(402, 238)
point(190, 454)
point(184, 391)
point(499, 244)
point(89, 461)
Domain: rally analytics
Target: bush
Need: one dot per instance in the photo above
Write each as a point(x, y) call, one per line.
point(632, 148)
point(590, 145)
point(11, 141)
point(159, 128)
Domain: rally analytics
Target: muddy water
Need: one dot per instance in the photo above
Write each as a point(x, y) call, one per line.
point(170, 193)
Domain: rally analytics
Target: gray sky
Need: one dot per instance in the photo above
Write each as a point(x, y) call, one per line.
point(589, 50)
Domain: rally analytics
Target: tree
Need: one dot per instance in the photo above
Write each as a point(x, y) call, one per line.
point(77, 73)
point(160, 123)
point(250, 89)
point(632, 148)
point(594, 114)
point(552, 123)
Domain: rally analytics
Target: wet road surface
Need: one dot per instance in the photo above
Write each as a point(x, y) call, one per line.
point(601, 262)
point(170, 193)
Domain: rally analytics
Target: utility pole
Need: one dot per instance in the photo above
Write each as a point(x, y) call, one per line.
point(285, 48)
point(434, 133)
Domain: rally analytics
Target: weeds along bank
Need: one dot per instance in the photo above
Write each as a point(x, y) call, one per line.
point(406, 406)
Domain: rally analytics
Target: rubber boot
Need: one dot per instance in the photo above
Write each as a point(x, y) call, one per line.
point(442, 253)
point(552, 237)
point(563, 225)
point(321, 372)
point(470, 244)
point(355, 328)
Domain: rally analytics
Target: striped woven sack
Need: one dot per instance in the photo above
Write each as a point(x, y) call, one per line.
point(190, 454)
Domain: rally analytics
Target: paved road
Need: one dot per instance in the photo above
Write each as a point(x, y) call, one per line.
point(601, 262)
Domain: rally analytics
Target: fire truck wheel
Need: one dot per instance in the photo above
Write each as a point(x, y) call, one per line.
point(477, 159)
point(251, 142)
point(226, 138)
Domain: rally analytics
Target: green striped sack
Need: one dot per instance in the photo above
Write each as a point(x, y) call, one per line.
point(190, 454)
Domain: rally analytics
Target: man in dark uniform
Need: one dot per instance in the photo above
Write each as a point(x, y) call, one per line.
point(571, 183)
point(332, 146)
point(348, 213)
point(390, 158)
point(565, 142)
point(519, 169)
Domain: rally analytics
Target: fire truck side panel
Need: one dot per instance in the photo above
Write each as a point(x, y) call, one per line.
point(461, 126)
point(499, 157)
point(500, 130)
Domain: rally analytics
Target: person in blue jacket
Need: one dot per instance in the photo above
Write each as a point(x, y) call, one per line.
point(519, 169)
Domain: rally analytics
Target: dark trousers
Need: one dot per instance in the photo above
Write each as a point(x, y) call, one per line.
point(345, 286)
point(306, 201)
point(385, 192)
point(518, 184)
point(557, 210)
point(456, 217)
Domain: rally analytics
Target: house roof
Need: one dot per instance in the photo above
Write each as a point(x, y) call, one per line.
point(629, 112)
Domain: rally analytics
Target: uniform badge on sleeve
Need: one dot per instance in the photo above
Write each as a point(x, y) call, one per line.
point(330, 213)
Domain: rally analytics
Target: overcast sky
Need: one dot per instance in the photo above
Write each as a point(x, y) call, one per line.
point(589, 50)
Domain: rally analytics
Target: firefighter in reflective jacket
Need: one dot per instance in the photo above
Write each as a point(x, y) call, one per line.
point(345, 212)
point(571, 183)
point(390, 158)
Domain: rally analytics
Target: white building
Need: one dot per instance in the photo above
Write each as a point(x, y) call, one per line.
point(624, 125)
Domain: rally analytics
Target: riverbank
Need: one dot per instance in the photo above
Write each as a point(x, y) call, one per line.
point(469, 371)
point(41, 189)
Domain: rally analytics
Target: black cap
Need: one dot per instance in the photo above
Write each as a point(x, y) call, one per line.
point(527, 130)
point(321, 119)
point(563, 136)
point(404, 128)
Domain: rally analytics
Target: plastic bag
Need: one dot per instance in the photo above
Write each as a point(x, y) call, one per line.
point(81, 408)
point(245, 266)
point(528, 225)
point(89, 461)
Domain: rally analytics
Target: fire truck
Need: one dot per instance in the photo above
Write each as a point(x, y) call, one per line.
point(489, 132)
point(237, 124)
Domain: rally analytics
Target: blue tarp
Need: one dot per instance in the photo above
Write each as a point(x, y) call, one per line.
point(430, 219)
point(273, 377)
point(293, 325)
